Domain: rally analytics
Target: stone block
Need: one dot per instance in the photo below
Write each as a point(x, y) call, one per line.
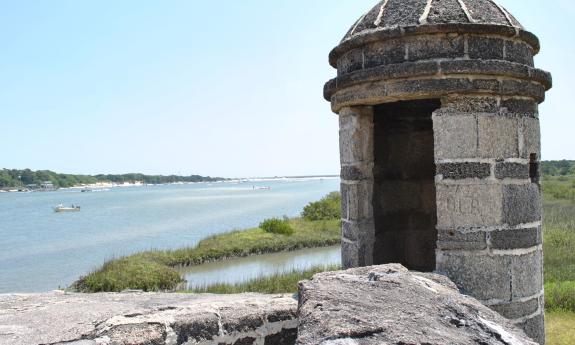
point(475, 66)
point(285, 337)
point(420, 250)
point(468, 205)
point(515, 238)
point(505, 170)
point(196, 328)
point(349, 254)
point(531, 137)
point(403, 146)
point(388, 247)
point(457, 240)
point(358, 231)
point(469, 104)
point(427, 197)
point(498, 137)
point(436, 47)
point(351, 61)
point(459, 171)
point(356, 135)
point(355, 254)
point(485, 48)
point(521, 204)
point(455, 136)
point(392, 196)
point(389, 305)
point(384, 53)
point(517, 51)
point(492, 85)
point(245, 341)
point(425, 87)
point(404, 13)
point(520, 106)
point(481, 276)
point(357, 201)
point(535, 328)
point(486, 12)
point(517, 310)
point(414, 249)
point(449, 12)
point(242, 323)
point(515, 87)
point(281, 315)
point(357, 172)
point(408, 220)
point(527, 273)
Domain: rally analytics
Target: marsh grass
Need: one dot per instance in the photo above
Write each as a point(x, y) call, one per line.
point(155, 270)
point(283, 282)
point(559, 248)
point(559, 188)
point(560, 328)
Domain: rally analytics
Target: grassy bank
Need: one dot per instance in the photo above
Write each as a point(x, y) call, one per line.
point(155, 270)
point(277, 283)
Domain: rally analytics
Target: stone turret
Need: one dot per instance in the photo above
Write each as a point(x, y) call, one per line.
point(440, 148)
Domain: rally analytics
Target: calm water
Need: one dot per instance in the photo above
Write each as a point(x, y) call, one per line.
point(257, 266)
point(41, 250)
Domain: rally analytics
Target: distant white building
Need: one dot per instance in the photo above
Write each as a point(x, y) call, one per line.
point(47, 185)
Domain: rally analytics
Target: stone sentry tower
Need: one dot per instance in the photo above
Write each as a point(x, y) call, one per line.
point(440, 148)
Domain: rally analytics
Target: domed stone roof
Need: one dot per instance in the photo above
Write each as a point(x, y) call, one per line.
point(388, 14)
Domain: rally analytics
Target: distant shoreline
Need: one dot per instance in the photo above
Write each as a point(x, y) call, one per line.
point(109, 185)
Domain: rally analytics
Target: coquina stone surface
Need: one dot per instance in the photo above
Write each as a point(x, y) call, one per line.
point(388, 305)
point(147, 319)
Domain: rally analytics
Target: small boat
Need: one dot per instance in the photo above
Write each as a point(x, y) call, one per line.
point(62, 208)
point(87, 190)
point(262, 188)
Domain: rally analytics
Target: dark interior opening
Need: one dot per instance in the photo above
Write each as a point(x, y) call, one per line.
point(404, 191)
point(534, 168)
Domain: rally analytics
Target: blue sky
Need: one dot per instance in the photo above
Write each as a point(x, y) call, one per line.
point(227, 88)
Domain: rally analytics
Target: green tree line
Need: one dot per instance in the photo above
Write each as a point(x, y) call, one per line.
point(16, 178)
point(558, 168)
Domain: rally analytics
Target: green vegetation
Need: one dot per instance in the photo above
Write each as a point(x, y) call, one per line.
point(559, 241)
point(326, 209)
point(277, 283)
point(560, 188)
point(155, 270)
point(560, 328)
point(277, 226)
point(17, 178)
point(558, 168)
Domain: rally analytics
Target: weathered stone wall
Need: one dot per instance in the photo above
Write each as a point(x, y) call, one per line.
point(357, 162)
point(489, 205)
point(147, 319)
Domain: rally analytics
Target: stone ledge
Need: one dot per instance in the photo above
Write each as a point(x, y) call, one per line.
point(147, 318)
point(408, 70)
point(390, 305)
point(371, 36)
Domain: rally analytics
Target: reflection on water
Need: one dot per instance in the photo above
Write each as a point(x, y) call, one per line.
point(243, 269)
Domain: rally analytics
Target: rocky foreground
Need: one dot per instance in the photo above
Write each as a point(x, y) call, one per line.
point(384, 305)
